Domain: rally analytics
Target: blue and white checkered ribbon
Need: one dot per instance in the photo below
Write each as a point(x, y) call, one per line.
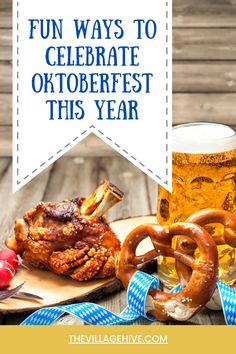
point(136, 298)
point(228, 300)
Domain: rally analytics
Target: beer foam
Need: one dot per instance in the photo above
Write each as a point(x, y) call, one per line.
point(200, 138)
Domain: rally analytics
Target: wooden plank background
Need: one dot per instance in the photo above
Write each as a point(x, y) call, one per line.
point(204, 69)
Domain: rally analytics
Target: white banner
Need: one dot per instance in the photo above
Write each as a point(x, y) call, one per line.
point(101, 67)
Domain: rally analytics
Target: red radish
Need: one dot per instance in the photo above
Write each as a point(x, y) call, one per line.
point(7, 272)
point(10, 257)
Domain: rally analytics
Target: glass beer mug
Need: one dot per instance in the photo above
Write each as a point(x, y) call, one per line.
point(204, 176)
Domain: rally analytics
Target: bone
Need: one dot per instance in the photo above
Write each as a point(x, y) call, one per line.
point(101, 200)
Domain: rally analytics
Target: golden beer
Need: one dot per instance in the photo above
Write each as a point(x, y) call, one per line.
point(204, 176)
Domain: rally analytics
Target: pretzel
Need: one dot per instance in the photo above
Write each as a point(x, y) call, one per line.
point(183, 305)
point(204, 217)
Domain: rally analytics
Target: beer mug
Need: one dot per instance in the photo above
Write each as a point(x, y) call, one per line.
point(204, 176)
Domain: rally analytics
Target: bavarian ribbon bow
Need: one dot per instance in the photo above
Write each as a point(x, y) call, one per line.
point(137, 291)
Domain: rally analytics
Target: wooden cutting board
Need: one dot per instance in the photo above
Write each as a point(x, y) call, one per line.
point(55, 289)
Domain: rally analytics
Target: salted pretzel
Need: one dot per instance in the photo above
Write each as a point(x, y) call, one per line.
point(186, 303)
point(204, 217)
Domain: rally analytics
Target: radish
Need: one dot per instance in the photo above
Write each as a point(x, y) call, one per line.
point(10, 257)
point(7, 272)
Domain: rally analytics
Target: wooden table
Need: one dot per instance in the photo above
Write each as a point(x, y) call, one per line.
point(69, 177)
